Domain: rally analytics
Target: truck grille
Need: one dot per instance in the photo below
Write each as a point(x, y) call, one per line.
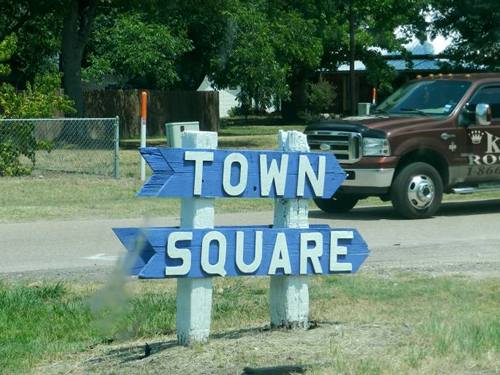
point(346, 146)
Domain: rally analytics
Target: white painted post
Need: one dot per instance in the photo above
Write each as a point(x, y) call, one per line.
point(289, 295)
point(194, 296)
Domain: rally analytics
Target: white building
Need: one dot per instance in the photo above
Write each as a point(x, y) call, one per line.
point(227, 97)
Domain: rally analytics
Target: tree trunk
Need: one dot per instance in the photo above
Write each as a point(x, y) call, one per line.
point(297, 103)
point(76, 29)
point(352, 59)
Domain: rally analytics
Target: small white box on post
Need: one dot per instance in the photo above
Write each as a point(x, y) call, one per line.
point(194, 296)
point(289, 295)
point(174, 130)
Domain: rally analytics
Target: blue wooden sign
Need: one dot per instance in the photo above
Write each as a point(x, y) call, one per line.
point(242, 251)
point(244, 174)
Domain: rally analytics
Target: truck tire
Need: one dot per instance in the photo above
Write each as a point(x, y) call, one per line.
point(417, 191)
point(337, 204)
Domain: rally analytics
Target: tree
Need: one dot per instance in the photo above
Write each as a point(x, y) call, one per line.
point(474, 29)
point(267, 46)
point(371, 28)
point(76, 28)
point(250, 59)
point(208, 24)
point(136, 52)
point(320, 97)
point(299, 49)
point(348, 31)
point(36, 27)
point(42, 98)
point(7, 48)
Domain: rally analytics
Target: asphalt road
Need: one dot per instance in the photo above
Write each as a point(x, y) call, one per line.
point(464, 239)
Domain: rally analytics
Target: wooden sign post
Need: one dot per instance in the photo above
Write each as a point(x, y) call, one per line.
point(194, 296)
point(288, 251)
point(289, 295)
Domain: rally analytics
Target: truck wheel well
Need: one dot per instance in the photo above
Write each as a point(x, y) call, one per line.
point(426, 156)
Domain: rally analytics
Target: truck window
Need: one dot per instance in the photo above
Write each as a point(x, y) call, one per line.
point(437, 98)
point(488, 95)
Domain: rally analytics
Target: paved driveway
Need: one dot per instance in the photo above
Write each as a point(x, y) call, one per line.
point(464, 238)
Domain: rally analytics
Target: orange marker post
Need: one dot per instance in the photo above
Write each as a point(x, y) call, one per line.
point(144, 110)
point(374, 96)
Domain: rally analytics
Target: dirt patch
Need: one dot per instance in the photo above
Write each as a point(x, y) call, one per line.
point(230, 352)
point(331, 348)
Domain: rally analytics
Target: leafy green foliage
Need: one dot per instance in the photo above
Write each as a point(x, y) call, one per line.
point(297, 47)
point(474, 29)
point(36, 27)
point(379, 74)
point(250, 59)
point(40, 99)
point(136, 52)
point(7, 48)
point(320, 97)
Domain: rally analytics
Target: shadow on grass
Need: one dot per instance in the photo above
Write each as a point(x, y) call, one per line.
point(466, 208)
point(139, 352)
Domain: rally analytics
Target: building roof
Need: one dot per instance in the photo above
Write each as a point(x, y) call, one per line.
point(428, 64)
point(426, 56)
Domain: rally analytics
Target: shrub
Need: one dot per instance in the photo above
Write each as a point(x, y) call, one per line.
point(40, 99)
point(320, 97)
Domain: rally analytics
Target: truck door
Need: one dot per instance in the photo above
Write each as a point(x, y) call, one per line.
point(483, 141)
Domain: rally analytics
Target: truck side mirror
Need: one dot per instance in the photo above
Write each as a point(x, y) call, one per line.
point(483, 114)
point(467, 115)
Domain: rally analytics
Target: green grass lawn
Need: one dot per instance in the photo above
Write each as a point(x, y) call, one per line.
point(368, 324)
point(75, 197)
point(419, 324)
point(48, 195)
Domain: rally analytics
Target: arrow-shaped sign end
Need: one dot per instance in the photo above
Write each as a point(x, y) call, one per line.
point(139, 249)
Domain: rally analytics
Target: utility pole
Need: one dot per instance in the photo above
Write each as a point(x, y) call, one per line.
point(352, 59)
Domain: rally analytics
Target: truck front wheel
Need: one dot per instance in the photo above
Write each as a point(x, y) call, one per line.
point(337, 204)
point(417, 191)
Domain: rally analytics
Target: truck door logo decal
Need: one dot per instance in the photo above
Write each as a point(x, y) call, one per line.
point(476, 136)
point(488, 162)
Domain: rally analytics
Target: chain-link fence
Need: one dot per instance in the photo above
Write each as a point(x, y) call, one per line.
point(72, 145)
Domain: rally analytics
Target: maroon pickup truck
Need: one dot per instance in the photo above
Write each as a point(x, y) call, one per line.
point(434, 135)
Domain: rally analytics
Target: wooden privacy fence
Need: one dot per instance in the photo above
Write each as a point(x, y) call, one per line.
point(163, 106)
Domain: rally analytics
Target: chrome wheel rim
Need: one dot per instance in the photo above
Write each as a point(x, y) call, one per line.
point(421, 192)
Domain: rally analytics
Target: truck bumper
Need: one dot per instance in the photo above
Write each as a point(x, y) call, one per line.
point(369, 178)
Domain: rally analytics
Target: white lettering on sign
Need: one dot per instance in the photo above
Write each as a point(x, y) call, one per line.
point(218, 268)
point(317, 181)
point(240, 263)
point(280, 257)
point(239, 188)
point(313, 253)
point(199, 157)
point(175, 252)
point(217, 251)
point(235, 185)
point(273, 175)
point(336, 250)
